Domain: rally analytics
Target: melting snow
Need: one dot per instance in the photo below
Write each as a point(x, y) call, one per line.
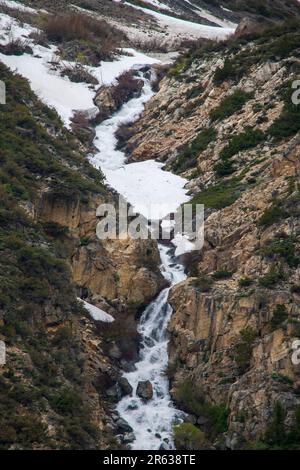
point(96, 313)
point(187, 28)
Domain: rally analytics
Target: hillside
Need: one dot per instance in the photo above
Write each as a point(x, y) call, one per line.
point(128, 342)
point(226, 112)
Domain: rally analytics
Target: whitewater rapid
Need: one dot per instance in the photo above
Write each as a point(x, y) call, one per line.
point(152, 420)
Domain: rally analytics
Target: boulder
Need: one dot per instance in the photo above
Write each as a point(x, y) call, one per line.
point(123, 426)
point(145, 390)
point(126, 388)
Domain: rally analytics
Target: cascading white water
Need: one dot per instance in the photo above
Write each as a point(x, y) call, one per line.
point(152, 420)
point(147, 182)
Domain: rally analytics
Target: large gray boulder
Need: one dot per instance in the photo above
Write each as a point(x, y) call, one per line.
point(145, 390)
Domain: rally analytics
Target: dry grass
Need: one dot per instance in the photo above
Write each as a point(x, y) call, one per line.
point(77, 73)
point(82, 38)
point(78, 26)
point(150, 45)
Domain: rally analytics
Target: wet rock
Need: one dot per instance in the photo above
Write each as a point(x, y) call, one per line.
point(190, 419)
point(115, 416)
point(128, 437)
point(126, 388)
point(201, 421)
point(128, 366)
point(132, 406)
point(149, 342)
point(114, 392)
point(123, 426)
point(114, 352)
point(145, 390)
point(164, 446)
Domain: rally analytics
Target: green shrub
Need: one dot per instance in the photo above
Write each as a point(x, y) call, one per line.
point(203, 283)
point(288, 123)
point(194, 92)
point(243, 348)
point(283, 247)
point(54, 229)
point(230, 105)
point(190, 397)
point(219, 196)
point(276, 433)
point(188, 157)
point(280, 314)
point(224, 167)
point(250, 138)
point(66, 401)
point(192, 400)
point(179, 67)
point(271, 215)
point(188, 437)
point(270, 279)
point(295, 289)
point(245, 282)
point(222, 274)
point(226, 72)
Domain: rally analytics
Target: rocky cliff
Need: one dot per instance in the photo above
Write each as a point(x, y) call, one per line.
point(226, 112)
point(62, 370)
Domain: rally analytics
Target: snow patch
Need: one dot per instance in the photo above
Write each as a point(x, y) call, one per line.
point(97, 313)
point(187, 28)
point(18, 6)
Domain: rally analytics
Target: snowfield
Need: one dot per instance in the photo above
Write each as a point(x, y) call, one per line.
point(178, 27)
point(97, 313)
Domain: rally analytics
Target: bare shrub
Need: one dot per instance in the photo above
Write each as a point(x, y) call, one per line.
point(123, 134)
point(78, 26)
point(39, 37)
point(15, 46)
point(126, 88)
point(150, 45)
point(78, 73)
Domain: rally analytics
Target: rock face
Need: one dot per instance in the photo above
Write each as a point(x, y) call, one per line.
point(237, 316)
point(121, 270)
point(145, 390)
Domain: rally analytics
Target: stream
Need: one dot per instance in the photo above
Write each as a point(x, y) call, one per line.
point(142, 184)
point(152, 420)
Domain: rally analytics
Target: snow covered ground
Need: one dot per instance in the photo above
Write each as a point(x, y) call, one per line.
point(184, 28)
point(97, 313)
point(18, 6)
point(56, 91)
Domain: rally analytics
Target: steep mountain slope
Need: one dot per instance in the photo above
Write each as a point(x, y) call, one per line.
point(212, 11)
point(226, 113)
point(62, 371)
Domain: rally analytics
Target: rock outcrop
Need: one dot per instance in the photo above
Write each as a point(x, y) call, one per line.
point(225, 121)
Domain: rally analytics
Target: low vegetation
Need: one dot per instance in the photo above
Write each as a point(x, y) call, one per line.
point(243, 348)
point(230, 105)
point(192, 400)
point(188, 437)
point(82, 37)
point(188, 156)
point(44, 374)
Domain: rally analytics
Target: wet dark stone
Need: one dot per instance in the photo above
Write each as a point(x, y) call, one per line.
point(145, 390)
